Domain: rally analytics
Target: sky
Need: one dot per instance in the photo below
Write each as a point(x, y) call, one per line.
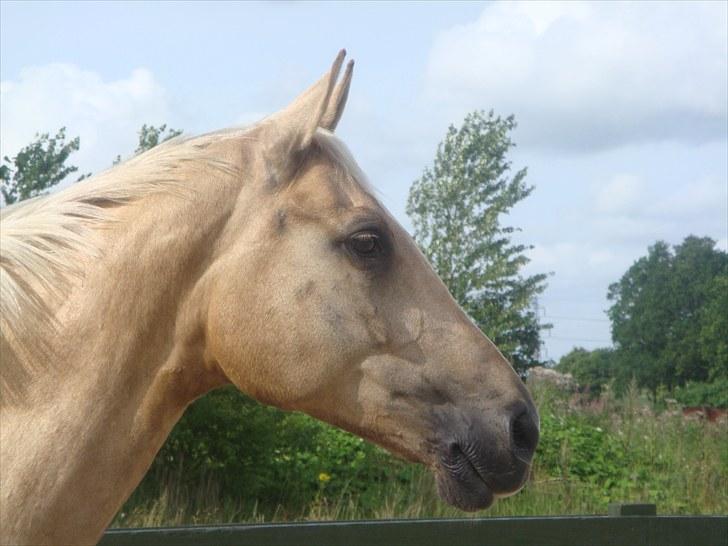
point(621, 107)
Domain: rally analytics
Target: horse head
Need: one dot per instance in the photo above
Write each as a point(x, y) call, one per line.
point(319, 301)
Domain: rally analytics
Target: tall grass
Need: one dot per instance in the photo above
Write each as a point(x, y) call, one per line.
point(608, 451)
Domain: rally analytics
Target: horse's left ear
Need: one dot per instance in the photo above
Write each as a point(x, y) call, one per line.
point(321, 105)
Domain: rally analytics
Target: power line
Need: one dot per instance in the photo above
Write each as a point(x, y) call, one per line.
point(585, 319)
point(579, 339)
point(561, 317)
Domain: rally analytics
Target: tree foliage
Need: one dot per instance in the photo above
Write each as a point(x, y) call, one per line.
point(456, 207)
point(669, 315)
point(591, 369)
point(38, 166)
point(713, 393)
point(270, 455)
point(713, 324)
point(150, 136)
point(42, 164)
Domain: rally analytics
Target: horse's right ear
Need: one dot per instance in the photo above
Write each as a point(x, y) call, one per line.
point(291, 130)
point(338, 100)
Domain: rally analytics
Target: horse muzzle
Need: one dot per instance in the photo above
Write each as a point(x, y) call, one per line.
point(484, 456)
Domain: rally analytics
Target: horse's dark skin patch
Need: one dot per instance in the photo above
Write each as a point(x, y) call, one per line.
point(281, 221)
point(305, 290)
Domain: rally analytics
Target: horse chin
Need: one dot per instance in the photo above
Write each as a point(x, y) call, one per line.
point(467, 492)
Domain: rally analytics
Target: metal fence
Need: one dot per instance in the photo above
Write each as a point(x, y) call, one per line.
point(623, 530)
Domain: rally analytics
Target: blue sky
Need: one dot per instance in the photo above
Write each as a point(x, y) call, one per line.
point(622, 107)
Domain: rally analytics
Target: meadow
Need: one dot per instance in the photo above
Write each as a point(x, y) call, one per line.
point(592, 452)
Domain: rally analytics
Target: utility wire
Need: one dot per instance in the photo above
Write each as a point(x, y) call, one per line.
point(585, 319)
point(579, 339)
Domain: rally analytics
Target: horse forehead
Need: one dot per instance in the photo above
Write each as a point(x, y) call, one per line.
point(326, 185)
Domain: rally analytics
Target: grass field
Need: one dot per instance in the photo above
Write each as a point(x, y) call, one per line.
point(590, 455)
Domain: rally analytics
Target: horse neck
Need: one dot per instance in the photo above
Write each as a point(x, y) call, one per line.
point(129, 357)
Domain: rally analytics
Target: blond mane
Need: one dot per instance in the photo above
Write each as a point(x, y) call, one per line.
point(43, 240)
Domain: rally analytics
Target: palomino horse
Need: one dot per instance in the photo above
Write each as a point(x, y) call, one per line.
point(257, 257)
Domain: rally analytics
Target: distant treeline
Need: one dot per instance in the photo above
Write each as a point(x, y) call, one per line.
point(669, 319)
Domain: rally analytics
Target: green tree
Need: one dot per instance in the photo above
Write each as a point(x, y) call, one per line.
point(714, 329)
point(591, 369)
point(456, 208)
point(639, 314)
point(664, 316)
point(38, 166)
point(695, 266)
point(150, 136)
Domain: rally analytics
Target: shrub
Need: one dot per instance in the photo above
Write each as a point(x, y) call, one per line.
point(704, 394)
point(269, 455)
point(572, 448)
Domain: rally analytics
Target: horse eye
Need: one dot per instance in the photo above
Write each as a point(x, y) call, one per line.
point(365, 244)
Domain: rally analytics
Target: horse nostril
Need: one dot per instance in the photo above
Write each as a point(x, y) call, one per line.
point(524, 433)
point(454, 450)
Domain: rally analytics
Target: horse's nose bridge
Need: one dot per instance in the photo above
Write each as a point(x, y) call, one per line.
point(474, 362)
point(463, 361)
point(484, 384)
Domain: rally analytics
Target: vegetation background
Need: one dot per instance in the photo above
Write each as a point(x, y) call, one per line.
point(272, 466)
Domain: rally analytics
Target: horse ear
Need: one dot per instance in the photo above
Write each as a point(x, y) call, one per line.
point(295, 125)
point(338, 100)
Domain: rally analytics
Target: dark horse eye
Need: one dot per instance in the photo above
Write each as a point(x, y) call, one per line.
point(365, 244)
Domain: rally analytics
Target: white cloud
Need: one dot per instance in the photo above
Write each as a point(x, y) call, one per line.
point(628, 209)
point(577, 261)
point(621, 194)
point(590, 75)
point(706, 197)
point(616, 222)
point(106, 115)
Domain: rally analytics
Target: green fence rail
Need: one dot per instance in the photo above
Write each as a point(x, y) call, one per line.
point(625, 530)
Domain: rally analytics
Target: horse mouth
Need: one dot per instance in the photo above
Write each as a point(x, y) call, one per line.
point(463, 482)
